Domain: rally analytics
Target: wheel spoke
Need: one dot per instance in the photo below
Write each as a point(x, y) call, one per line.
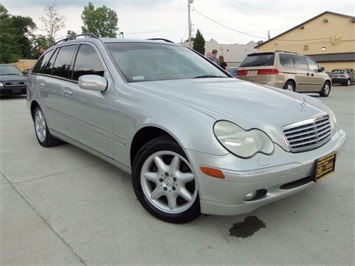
point(160, 164)
point(184, 193)
point(172, 201)
point(157, 193)
point(151, 176)
point(185, 177)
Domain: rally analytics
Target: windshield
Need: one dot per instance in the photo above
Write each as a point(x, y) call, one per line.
point(9, 70)
point(154, 61)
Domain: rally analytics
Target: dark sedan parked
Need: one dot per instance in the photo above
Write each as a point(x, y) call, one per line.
point(344, 76)
point(12, 81)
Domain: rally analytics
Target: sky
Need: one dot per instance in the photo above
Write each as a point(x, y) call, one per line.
point(225, 21)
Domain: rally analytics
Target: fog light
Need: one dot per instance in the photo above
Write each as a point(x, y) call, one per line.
point(257, 194)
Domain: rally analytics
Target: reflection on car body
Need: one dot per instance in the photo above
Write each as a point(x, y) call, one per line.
point(194, 139)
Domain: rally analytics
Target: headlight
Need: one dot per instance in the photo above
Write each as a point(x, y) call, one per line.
point(1, 85)
point(240, 142)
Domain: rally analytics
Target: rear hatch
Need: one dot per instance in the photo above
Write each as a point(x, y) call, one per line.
point(257, 68)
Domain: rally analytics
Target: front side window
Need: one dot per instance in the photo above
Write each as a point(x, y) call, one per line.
point(62, 64)
point(87, 62)
point(140, 62)
point(300, 62)
point(312, 65)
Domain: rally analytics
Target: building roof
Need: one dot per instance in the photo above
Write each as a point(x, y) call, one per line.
point(302, 24)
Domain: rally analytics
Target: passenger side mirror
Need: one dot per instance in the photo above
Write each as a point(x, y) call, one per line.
point(93, 83)
point(321, 69)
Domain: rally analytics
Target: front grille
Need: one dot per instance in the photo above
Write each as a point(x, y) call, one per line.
point(15, 83)
point(309, 134)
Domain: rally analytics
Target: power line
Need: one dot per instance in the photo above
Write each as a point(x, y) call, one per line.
point(224, 26)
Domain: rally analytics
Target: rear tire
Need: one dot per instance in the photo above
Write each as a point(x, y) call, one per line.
point(348, 82)
point(289, 86)
point(43, 135)
point(164, 182)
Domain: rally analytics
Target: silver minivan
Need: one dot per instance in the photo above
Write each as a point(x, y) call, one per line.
point(286, 70)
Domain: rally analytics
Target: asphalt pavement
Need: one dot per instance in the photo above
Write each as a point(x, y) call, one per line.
point(63, 206)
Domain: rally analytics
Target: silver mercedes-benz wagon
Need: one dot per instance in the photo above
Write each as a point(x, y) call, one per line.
point(195, 139)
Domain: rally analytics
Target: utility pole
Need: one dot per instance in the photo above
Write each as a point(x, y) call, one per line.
point(189, 19)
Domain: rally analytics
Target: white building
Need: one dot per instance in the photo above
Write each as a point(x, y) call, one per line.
point(233, 54)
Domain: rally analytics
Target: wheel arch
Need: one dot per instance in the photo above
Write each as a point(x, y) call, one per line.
point(293, 82)
point(33, 106)
point(145, 135)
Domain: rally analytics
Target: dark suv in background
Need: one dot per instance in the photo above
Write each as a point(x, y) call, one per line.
point(286, 70)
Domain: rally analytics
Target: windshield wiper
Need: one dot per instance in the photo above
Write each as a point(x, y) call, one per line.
point(208, 76)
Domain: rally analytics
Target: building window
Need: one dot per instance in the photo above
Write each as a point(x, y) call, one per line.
point(305, 48)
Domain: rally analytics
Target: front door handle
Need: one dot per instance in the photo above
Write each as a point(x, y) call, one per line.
point(67, 91)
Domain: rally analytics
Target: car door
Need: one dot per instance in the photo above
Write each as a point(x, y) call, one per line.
point(55, 71)
point(302, 73)
point(88, 116)
point(316, 76)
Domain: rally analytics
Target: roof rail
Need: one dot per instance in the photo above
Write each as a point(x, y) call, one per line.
point(160, 39)
point(286, 51)
point(86, 35)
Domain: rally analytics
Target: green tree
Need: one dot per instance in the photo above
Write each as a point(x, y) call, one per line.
point(15, 36)
point(199, 43)
point(101, 21)
point(52, 22)
point(40, 44)
point(24, 31)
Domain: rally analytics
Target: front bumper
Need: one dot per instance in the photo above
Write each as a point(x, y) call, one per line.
point(13, 91)
point(279, 175)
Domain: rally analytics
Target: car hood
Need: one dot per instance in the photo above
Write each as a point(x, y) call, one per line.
point(244, 103)
point(4, 78)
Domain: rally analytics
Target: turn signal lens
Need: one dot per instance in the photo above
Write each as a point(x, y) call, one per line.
point(212, 172)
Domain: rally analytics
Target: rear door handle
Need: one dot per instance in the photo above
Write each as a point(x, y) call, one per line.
point(42, 84)
point(67, 91)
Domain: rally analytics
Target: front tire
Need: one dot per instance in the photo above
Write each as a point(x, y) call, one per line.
point(325, 91)
point(348, 82)
point(43, 135)
point(164, 182)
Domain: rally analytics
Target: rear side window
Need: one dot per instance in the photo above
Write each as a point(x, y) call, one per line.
point(286, 61)
point(87, 62)
point(253, 60)
point(42, 63)
point(63, 62)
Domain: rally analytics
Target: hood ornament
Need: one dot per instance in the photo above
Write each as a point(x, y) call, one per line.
point(303, 104)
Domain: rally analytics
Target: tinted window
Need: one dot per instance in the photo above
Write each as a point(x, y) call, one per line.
point(286, 60)
point(41, 65)
point(258, 60)
point(87, 62)
point(300, 62)
point(63, 62)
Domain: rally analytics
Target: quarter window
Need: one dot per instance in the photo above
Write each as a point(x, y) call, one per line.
point(42, 65)
point(87, 62)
